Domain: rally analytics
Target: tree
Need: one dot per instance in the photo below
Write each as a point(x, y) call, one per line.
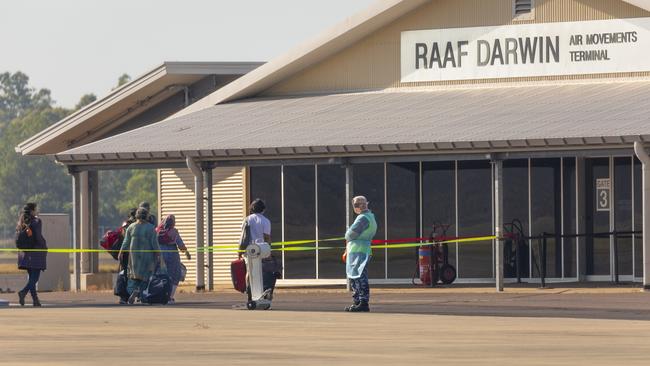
point(16, 97)
point(31, 178)
point(85, 100)
point(141, 186)
point(123, 79)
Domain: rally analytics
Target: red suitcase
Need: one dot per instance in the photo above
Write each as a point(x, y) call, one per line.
point(238, 275)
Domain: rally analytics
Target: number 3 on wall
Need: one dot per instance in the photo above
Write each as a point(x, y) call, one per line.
point(603, 201)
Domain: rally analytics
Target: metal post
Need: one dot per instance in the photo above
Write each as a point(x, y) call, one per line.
point(199, 227)
point(349, 191)
point(210, 229)
point(498, 223)
point(645, 159)
point(615, 236)
point(543, 269)
point(517, 255)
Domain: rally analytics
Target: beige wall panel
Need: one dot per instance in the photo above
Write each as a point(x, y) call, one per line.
point(229, 208)
point(374, 62)
point(177, 197)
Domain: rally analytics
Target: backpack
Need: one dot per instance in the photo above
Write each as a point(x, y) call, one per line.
point(245, 238)
point(25, 238)
point(111, 241)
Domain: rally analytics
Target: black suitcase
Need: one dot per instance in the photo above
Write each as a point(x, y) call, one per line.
point(158, 289)
point(121, 284)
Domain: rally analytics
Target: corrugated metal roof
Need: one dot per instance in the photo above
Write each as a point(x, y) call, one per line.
point(416, 120)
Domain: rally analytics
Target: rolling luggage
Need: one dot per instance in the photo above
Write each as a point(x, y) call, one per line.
point(158, 289)
point(238, 275)
point(121, 284)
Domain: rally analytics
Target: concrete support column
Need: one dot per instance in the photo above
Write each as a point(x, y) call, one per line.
point(93, 212)
point(642, 154)
point(84, 221)
point(498, 223)
point(210, 230)
point(199, 227)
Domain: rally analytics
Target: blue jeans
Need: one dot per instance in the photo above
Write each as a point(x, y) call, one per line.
point(136, 284)
point(32, 279)
point(360, 287)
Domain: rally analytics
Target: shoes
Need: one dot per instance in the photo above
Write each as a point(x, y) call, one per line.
point(36, 301)
point(356, 303)
point(133, 296)
point(171, 302)
point(21, 297)
point(361, 307)
point(124, 301)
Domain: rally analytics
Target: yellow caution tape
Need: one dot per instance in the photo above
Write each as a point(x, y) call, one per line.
point(291, 246)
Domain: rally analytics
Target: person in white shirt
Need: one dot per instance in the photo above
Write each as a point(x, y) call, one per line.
point(260, 231)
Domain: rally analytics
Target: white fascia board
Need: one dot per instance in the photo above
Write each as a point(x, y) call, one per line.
point(210, 68)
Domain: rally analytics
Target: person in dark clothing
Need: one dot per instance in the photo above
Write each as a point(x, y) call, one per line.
point(150, 218)
point(124, 261)
point(31, 261)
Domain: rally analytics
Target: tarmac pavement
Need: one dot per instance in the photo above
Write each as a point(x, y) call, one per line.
point(407, 326)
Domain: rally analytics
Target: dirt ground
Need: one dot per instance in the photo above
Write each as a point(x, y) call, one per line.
point(456, 326)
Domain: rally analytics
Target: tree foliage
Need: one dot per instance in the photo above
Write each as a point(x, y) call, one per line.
point(24, 112)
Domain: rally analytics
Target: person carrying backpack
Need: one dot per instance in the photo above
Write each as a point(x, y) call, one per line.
point(29, 237)
point(141, 243)
point(170, 243)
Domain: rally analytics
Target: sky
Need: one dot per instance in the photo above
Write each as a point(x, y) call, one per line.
point(75, 47)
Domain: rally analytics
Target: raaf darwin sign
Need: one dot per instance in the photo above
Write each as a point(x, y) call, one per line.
point(525, 50)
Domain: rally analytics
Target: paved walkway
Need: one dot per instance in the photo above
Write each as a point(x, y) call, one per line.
point(460, 326)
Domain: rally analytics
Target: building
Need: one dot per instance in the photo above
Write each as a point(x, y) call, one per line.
point(462, 112)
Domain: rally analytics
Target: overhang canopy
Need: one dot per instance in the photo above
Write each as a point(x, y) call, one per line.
point(479, 119)
point(125, 102)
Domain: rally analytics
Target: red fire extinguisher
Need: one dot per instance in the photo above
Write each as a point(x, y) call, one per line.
point(425, 264)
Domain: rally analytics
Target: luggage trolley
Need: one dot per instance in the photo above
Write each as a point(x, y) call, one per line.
point(258, 299)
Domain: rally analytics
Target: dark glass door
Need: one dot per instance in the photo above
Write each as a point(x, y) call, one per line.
point(598, 206)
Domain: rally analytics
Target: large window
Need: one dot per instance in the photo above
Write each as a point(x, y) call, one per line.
point(623, 213)
point(369, 182)
point(515, 216)
point(546, 214)
point(299, 219)
point(569, 216)
point(403, 208)
point(331, 219)
point(266, 183)
point(638, 218)
point(409, 198)
point(597, 248)
point(439, 201)
point(474, 218)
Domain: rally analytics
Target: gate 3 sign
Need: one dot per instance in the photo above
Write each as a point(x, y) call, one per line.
point(603, 194)
point(526, 50)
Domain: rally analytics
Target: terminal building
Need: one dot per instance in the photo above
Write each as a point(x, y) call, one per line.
point(467, 113)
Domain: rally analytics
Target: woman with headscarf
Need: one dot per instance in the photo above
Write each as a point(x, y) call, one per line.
point(31, 261)
point(141, 242)
point(170, 243)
